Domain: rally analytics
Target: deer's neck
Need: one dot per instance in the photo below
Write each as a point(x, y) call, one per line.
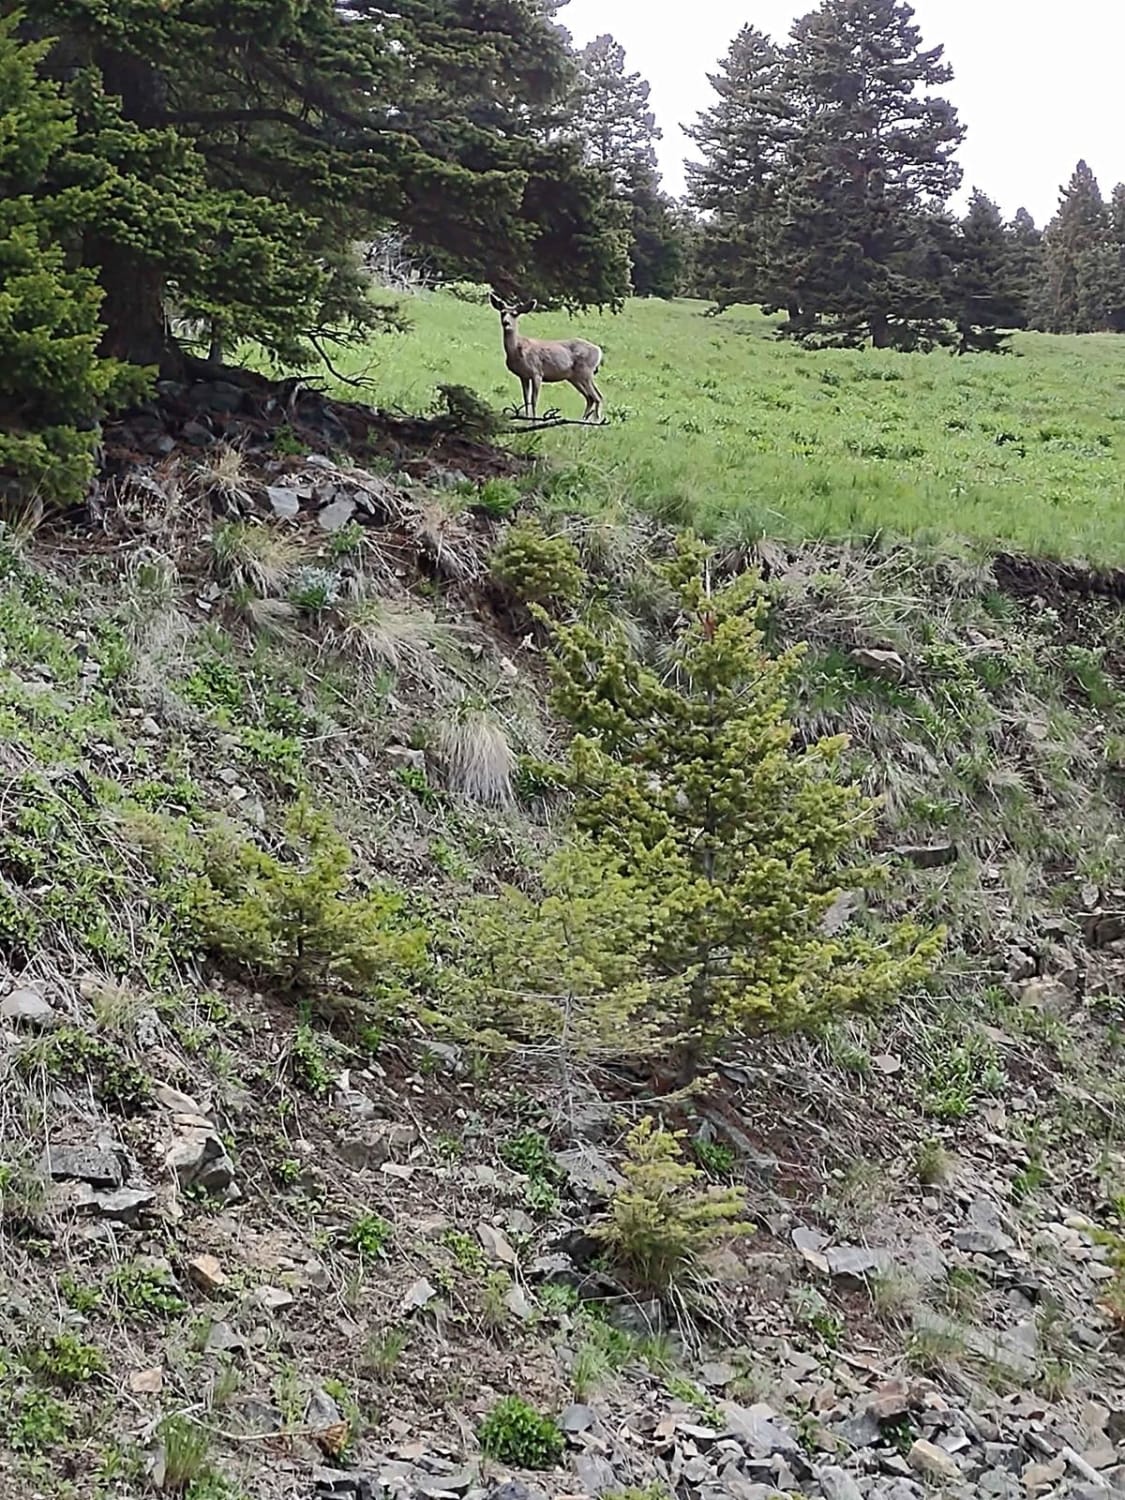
point(513, 343)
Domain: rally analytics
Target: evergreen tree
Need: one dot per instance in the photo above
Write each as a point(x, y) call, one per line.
point(1079, 260)
point(52, 382)
point(1117, 229)
point(657, 237)
point(735, 186)
point(619, 133)
point(253, 144)
point(985, 291)
point(870, 164)
point(1026, 242)
point(613, 115)
point(690, 782)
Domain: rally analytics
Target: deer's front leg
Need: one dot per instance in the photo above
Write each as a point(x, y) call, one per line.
point(536, 387)
point(526, 387)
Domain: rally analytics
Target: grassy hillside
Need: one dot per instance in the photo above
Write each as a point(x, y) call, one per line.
point(272, 1227)
point(716, 424)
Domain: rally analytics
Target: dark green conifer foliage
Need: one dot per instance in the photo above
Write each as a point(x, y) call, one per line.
point(735, 184)
point(870, 165)
point(985, 291)
point(1079, 260)
point(255, 143)
point(53, 385)
point(619, 132)
point(1026, 241)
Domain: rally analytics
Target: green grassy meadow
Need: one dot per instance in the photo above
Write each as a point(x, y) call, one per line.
point(715, 423)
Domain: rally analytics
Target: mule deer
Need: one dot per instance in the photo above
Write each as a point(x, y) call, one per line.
point(545, 361)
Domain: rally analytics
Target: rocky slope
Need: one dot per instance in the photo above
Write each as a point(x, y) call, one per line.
point(253, 1250)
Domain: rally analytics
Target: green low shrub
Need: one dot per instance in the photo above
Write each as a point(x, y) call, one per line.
point(515, 1433)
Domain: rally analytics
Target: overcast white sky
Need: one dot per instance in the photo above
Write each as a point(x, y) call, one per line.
point(1038, 82)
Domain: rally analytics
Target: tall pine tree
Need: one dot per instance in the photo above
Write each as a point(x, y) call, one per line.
point(985, 288)
point(1079, 260)
point(1026, 242)
point(252, 144)
point(872, 161)
point(742, 142)
point(614, 116)
point(618, 128)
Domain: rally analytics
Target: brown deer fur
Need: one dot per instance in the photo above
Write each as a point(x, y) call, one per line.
point(540, 362)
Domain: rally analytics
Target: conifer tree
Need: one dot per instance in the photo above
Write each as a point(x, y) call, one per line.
point(53, 385)
point(1026, 241)
point(871, 163)
point(735, 185)
point(689, 782)
point(618, 129)
point(613, 112)
point(985, 292)
point(1117, 229)
point(253, 145)
point(1078, 260)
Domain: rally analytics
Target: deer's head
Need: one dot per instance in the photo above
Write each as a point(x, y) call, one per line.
point(511, 312)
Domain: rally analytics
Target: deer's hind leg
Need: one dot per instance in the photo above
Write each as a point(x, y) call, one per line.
point(585, 384)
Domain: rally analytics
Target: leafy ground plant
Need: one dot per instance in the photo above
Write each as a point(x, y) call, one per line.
point(515, 1433)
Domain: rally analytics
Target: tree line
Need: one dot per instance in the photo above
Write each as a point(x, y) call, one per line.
point(821, 187)
point(178, 179)
point(823, 184)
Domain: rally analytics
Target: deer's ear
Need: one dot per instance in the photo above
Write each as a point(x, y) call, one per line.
point(528, 307)
point(496, 302)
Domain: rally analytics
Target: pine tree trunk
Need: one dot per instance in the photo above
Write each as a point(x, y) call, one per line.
point(133, 306)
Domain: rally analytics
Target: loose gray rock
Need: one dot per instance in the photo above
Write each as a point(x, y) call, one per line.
point(101, 1169)
point(999, 1482)
point(838, 1484)
point(861, 1431)
point(336, 516)
point(927, 1458)
point(590, 1175)
point(222, 1339)
point(345, 1484)
point(495, 1244)
point(756, 1429)
point(596, 1475)
point(577, 1418)
point(511, 1489)
point(1003, 1456)
point(419, 1295)
point(27, 1007)
point(984, 1233)
point(125, 1206)
point(199, 1159)
point(856, 1262)
point(322, 1411)
point(285, 503)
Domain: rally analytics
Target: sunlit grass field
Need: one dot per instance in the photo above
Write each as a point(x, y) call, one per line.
point(715, 423)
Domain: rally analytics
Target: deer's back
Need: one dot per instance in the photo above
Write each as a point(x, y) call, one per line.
point(557, 359)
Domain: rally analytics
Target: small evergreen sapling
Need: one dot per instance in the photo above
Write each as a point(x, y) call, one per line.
point(691, 786)
point(661, 1222)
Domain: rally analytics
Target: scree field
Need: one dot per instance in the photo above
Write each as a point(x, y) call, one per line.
point(717, 424)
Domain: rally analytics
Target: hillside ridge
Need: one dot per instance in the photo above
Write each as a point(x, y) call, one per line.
point(255, 1249)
